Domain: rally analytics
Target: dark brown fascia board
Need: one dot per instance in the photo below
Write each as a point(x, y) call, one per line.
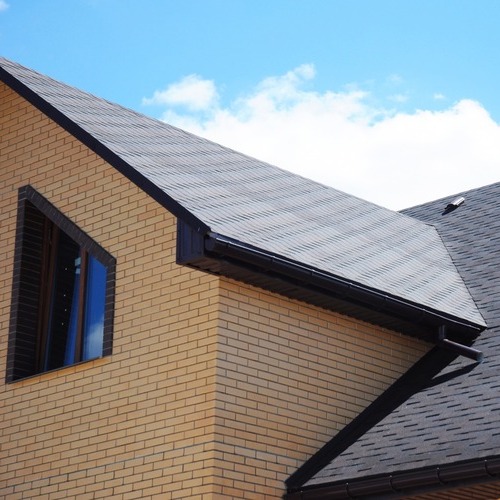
point(103, 151)
point(217, 245)
point(434, 479)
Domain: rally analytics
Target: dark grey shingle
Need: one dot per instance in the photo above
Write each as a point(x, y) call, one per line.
point(269, 208)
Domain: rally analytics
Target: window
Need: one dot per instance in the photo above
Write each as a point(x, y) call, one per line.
point(62, 301)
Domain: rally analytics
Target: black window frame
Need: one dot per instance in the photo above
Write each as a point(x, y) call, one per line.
point(24, 343)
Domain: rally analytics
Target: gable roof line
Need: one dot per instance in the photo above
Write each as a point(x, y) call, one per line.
point(414, 481)
point(419, 376)
point(103, 151)
point(212, 188)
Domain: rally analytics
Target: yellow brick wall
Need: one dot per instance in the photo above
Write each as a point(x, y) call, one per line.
point(290, 376)
point(137, 424)
point(214, 390)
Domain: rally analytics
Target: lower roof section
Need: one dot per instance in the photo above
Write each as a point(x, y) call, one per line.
point(479, 478)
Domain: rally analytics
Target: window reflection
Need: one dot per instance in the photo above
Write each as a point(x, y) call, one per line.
point(94, 309)
point(75, 293)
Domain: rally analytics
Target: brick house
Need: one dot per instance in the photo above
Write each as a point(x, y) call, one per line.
point(178, 320)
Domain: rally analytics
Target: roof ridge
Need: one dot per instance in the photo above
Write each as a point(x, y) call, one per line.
point(450, 196)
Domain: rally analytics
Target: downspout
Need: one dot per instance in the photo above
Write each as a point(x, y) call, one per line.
point(457, 348)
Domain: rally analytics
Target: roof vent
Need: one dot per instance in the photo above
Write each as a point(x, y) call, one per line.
point(454, 204)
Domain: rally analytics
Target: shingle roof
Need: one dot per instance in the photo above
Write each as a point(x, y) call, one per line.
point(218, 189)
point(450, 416)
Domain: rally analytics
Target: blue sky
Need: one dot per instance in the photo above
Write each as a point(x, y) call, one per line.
point(395, 101)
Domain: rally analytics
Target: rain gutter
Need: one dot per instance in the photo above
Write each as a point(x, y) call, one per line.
point(405, 483)
point(219, 246)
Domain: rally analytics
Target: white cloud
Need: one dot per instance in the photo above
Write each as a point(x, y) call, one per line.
point(395, 159)
point(3, 5)
point(192, 92)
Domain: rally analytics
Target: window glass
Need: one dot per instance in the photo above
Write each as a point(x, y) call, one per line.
point(71, 354)
point(94, 309)
point(62, 285)
point(72, 303)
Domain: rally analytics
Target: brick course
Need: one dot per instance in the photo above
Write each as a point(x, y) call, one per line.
point(214, 389)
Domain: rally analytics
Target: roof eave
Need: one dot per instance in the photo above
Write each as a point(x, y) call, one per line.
point(222, 255)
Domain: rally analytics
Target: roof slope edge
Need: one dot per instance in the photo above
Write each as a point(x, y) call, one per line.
point(98, 147)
